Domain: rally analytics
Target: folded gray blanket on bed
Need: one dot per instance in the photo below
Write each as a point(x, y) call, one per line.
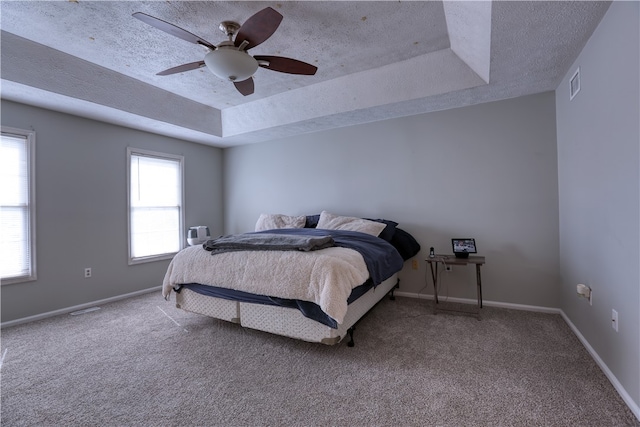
point(267, 242)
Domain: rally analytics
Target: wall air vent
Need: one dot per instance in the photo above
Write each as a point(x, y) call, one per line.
point(574, 84)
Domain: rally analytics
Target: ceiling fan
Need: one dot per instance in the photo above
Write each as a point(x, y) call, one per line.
point(229, 60)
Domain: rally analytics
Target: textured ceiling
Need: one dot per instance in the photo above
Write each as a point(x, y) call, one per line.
point(375, 60)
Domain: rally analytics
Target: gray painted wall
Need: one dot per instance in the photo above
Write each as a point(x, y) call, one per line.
point(490, 171)
point(81, 202)
point(599, 191)
point(487, 171)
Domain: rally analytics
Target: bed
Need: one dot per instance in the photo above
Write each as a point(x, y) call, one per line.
point(317, 292)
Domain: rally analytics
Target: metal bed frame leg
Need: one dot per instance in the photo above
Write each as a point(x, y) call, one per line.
point(350, 332)
point(393, 297)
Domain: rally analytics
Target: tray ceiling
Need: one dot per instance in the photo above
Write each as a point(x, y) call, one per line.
point(376, 60)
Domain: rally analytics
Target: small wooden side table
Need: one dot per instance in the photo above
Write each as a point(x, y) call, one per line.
point(453, 260)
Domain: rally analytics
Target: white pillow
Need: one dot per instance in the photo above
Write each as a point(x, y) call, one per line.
point(330, 221)
point(273, 221)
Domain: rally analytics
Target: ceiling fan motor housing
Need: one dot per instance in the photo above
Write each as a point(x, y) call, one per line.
point(229, 63)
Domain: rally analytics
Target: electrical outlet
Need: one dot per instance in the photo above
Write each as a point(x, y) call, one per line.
point(614, 320)
point(414, 264)
point(87, 272)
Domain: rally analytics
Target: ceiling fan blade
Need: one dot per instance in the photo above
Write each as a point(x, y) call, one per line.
point(172, 29)
point(258, 28)
point(181, 68)
point(245, 87)
point(285, 65)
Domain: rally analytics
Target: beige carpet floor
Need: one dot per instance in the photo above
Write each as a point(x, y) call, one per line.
point(142, 362)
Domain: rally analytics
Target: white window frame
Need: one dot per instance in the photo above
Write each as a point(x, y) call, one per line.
point(154, 154)
point(30, 140)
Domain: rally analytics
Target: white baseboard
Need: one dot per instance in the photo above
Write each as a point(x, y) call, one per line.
point(76, 308)
point(612, 378)
point(633, 406)
point(484, 302)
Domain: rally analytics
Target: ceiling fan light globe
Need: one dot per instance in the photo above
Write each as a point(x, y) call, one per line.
point(231, 64)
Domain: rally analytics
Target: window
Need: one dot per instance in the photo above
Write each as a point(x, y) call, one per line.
point(17, 206)
point(155, 205)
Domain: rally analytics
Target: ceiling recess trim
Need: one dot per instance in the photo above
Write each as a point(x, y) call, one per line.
point(469, 28)
point(419, 77)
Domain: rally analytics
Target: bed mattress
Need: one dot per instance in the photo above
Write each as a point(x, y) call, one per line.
point(285, 321)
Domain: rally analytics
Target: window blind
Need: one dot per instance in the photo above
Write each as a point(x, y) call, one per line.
point(16, 249)
point(155, 205)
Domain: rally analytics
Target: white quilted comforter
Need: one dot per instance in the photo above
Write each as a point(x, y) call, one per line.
point(325, 277)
